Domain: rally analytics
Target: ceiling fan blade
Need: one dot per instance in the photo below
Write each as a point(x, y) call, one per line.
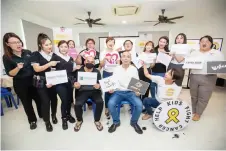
point(178, 17)
point(79, 23)
point(146, 21)
point(96, 20)
point(79, 19)
point(98, 24)
point(170, 22)
point(156, 23)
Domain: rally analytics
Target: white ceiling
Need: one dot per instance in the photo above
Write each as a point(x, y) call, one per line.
point(62, 12)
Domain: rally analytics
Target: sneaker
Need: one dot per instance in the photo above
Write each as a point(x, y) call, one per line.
point(64, 124)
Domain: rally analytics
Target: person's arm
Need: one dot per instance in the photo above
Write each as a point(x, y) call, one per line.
point(146, 73)
point(97, 85)
point(10, 68)
point(102, 60)
point(39, 68)
point(79, 60)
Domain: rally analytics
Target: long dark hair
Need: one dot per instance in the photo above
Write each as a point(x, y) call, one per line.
point(166, 46)
point(7, 49)
point(184, 36)
point(69, 42)
point(41, 39)
point(149, 42)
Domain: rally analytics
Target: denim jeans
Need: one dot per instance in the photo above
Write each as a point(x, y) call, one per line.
point(106, 94)
point(119, 96)
point(154, 85)
point(150, 103)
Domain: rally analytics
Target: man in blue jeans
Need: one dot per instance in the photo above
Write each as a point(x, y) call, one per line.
point(123, 74)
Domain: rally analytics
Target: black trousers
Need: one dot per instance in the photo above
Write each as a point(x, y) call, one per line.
point(65, 92)
point(143, 78)
point(49, 98)
point(26, 92)
point(82, 97)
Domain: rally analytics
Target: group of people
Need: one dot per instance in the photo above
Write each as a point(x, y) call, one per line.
point(28, 70)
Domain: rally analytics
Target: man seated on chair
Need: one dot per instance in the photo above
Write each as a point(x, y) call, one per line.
point(166, 85)
point(123, 74)
point(85, 92)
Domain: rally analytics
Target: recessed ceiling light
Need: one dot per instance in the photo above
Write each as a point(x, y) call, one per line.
point(124, 22)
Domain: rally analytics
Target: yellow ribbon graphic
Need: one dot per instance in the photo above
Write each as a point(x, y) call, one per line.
point(172, 114)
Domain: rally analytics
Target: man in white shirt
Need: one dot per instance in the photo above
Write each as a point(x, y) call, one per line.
point(167, 90)
point(123, 74)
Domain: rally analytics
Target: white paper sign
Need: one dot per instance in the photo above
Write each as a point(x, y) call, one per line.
point(108, 84)
point(193, 63)
point(56, 77)
point(148, 57)
point(180, 49)
point(87, 78)
point(111, 66)
point(163, 58)
point(137, 63)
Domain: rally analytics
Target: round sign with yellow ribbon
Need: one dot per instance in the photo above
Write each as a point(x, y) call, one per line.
point(172, 115)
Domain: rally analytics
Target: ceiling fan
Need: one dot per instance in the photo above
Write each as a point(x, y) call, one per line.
point(165, 19)
point(89, 21)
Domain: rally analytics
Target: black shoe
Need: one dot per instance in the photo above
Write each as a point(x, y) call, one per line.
point(137, 128)
point(49, 127)
point(54, 119)
point(113, 127)
point(33, 125)
point(70, 118)
point(64, 124)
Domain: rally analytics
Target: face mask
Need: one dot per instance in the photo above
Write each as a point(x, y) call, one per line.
point(89, 65)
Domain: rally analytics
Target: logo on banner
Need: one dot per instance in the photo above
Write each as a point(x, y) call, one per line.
point(172, 115)
point(216, 67)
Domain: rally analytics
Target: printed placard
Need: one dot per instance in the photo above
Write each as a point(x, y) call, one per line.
point(108, 84)
point(216, 67)
point(148, 57)
point(180, 49)
point(171, 116)
point(56, 77)
point(138, 86)
point(193, 63)
point(87, 78)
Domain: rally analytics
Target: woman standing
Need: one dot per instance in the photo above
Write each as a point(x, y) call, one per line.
point(72, 51)
point(148, 48)
point(43, 61)
point(159, 69)
point(17, 65)
point(177, 60)
point(65, 90)
point(202, 84)
point(109, 58)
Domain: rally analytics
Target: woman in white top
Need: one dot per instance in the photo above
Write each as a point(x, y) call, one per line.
point(148, 48)
point(109, 59)
point(177, 60)
point(202, 84)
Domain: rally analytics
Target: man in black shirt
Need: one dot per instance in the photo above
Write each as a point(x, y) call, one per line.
point(85, 92)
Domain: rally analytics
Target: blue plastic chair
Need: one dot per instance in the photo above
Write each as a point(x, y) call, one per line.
point(125, 102)
point(7, 95)
point(93, 106)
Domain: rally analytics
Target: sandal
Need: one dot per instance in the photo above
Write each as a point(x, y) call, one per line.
point(99, 126)
point(78, 126)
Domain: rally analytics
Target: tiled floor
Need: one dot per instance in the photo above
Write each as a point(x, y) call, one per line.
point(208, 133)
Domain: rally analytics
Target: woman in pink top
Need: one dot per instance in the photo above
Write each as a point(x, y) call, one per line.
point(72, 51)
